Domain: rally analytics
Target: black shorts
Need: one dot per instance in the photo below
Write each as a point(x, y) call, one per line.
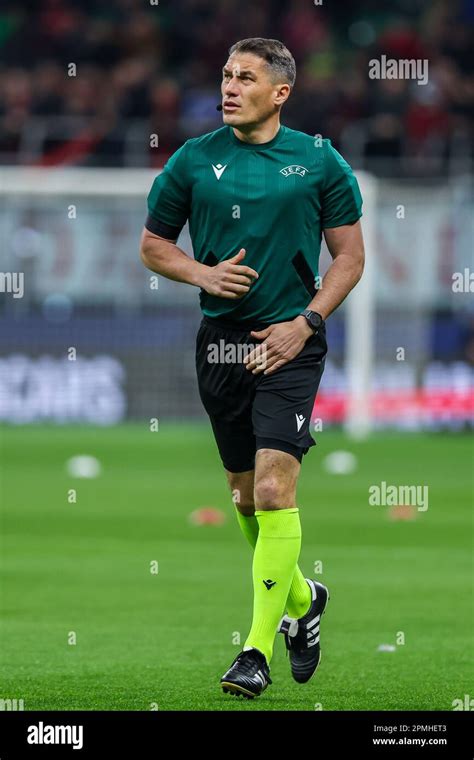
point(250, 412)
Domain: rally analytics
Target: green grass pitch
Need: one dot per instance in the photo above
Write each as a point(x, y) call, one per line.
point(162, 641)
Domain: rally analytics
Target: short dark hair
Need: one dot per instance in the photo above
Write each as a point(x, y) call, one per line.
point(274, 52)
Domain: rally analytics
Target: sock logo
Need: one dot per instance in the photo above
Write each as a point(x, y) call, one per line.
point(269, 584)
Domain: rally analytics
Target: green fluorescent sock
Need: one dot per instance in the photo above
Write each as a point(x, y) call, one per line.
point(299, 598)
point(249, 527)
point(274, 563)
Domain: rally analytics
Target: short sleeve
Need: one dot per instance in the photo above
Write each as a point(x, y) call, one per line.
point(341, 201)
point(169, 198)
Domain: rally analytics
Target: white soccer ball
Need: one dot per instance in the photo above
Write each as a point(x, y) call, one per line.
point(340, 463)
point(83, 466)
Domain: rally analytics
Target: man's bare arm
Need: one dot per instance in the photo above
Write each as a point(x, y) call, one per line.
point(164, 257)
point(346, 247)
point(228, 279)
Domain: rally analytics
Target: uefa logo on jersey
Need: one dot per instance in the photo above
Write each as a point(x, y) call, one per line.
point(293, 169)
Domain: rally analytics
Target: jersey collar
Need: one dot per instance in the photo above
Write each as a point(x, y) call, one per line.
point(256, 146)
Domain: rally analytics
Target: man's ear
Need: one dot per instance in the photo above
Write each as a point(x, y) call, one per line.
point(283, 94)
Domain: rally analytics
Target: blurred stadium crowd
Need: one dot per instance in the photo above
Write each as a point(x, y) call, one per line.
point(147, 67)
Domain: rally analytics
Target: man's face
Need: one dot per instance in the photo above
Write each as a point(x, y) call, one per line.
point(248, 94)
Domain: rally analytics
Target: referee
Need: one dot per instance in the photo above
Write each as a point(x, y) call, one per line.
point(258, 197)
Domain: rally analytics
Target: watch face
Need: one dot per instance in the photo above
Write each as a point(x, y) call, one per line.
point(314, 319)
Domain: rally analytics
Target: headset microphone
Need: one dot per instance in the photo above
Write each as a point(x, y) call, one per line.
point(219, 107)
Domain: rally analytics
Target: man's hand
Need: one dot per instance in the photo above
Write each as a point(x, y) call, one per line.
point(229, 278)
point(281, 343)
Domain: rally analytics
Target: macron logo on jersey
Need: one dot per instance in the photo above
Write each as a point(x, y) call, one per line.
point(294, 169)
point(219, 170)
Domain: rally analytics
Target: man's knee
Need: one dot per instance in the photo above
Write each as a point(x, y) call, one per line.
point(242, 485)
point(275, 480)
point(268, 492)
point(272, 492)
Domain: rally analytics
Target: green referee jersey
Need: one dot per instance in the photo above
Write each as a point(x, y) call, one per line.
point(273, 199)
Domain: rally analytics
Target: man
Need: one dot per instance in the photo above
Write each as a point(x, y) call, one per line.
point(258, 196)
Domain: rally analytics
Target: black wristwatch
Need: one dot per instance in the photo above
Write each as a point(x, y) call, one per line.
point(313, 319)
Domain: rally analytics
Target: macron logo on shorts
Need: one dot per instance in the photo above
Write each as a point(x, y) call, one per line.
point(299, 421)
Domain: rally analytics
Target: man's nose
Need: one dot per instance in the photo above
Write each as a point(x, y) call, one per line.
point(231, 87)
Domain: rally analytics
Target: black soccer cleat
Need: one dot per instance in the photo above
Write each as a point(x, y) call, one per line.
point(302, 635)
point(248, 676)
